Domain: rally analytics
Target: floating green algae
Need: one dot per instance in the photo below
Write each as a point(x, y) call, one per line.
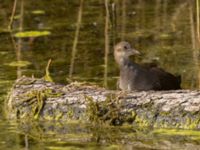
point(38, 12)
point(193, 134)
point(32, 34)
point(4, 30)
point(16, 17)
point(3, 53)
point(19, 63)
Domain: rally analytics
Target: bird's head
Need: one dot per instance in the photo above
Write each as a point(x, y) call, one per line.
point(123, 50)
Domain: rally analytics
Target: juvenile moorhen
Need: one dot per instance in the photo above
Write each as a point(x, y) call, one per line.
point(137, 77)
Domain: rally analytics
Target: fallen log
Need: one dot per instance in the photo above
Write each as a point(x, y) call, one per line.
point(32, 98)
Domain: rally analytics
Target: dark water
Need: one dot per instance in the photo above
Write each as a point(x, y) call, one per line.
point(165, 31)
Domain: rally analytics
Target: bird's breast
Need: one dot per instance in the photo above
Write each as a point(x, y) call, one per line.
point(127, 78)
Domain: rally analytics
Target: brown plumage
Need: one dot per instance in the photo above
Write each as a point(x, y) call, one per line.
point(137, 77)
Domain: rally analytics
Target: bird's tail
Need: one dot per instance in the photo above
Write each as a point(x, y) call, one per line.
point(179, 80)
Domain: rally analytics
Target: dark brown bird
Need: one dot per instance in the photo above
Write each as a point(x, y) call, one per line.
point(136, 77)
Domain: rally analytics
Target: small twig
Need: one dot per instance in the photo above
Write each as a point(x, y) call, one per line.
point(47, 67)
point(47, 76)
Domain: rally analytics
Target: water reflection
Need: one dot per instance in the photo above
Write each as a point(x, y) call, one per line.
point(107, 42)
point(58, 135)
point(158, 28)
point(74, 48)
point(80, 46)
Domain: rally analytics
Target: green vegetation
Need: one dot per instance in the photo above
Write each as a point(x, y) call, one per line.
point(36, 99)
point(47, 76)
point(108, 112)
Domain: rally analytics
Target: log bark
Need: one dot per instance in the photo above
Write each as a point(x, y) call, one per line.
point(32, 98)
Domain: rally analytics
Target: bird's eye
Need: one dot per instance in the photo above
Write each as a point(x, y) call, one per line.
point(125, 47)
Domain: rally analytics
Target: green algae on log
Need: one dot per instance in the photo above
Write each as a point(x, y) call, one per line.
point(32, 98)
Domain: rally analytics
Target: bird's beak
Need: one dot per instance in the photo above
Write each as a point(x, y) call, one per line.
point(134, 52)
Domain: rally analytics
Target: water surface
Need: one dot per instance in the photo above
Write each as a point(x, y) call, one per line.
point(80, 44)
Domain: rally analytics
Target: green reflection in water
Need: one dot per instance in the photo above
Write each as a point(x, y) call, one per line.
point(164, 31)
point(26, 34)
point(19, 64)
point(74, 135)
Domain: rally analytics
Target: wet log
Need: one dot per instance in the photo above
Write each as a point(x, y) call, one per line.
point(37, 99)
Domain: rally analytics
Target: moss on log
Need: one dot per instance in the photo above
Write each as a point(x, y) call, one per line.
point(37, 99)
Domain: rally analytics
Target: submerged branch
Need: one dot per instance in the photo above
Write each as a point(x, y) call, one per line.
point(38, 99)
